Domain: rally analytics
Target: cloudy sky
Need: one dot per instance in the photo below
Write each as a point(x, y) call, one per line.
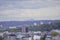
point(20, 10)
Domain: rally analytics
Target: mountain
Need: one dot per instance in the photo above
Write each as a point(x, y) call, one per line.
point(16, 23)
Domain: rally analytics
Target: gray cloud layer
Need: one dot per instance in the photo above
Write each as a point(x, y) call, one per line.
point(32, 9)
point(27, 4)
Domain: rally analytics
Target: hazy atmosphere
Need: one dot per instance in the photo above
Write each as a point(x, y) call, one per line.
point(16, 10)
point(29, 19)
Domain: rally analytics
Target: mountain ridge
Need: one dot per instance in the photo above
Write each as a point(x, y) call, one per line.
point(16, 23)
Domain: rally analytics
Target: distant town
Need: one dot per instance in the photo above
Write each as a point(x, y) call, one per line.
point(42, 31)
point(29, 19)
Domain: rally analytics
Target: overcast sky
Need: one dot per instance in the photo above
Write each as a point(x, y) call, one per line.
point(20, 10)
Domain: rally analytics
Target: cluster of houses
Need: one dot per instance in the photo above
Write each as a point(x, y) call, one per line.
point(25, 34)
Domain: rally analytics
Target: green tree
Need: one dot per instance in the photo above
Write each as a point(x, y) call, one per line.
point(43, 38)
point(54, 33)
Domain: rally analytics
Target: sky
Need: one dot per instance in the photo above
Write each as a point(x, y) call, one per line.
point(21, 10)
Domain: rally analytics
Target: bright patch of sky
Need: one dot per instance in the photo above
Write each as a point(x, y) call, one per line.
point(17, 10)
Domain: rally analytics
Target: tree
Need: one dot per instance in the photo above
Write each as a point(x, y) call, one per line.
point(54, 33)
point(43, 38)
point(1, 38)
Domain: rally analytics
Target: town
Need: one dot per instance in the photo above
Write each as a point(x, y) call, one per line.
point(22, 32)
point(29, 19)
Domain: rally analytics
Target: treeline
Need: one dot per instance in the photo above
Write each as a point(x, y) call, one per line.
point(40, 27)
point(45, 27)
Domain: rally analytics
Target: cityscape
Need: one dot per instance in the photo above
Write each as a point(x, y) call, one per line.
point(32, 31)
point(29, 19)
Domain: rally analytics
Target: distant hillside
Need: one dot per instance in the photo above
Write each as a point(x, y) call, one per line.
point(16, 23)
